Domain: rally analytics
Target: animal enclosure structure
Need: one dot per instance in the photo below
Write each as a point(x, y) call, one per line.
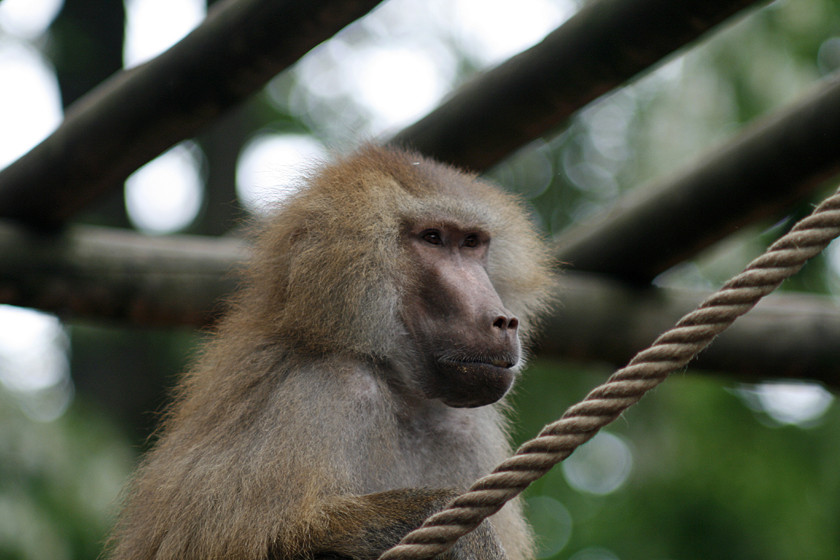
point(611, 259)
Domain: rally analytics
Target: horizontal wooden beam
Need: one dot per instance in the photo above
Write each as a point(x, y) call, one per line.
point(787, 335)
point(104, 274)
point(117, 275)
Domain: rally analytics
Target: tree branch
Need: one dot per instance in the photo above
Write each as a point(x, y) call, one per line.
point(756, 175)
point(138, 113)
point(602, 46)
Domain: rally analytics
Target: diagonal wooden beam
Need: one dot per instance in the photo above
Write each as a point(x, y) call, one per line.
point(758, 174)
point(138, 113)
point(604, 45)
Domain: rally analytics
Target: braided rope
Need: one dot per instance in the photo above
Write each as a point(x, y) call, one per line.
point(671, 351)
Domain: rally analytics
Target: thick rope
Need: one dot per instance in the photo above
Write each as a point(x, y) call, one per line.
point(671, 351)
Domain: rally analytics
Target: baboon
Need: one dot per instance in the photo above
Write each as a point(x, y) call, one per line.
point(356, 383)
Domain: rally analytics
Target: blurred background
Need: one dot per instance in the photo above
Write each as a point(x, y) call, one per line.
point(706, 467)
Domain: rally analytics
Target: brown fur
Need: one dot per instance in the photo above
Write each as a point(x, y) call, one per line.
point(294, 434)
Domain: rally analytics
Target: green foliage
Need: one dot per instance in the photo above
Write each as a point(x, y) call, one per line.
point(710, 478)
point(59, 482)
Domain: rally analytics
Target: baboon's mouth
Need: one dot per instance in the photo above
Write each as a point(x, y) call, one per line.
point(507, 364)
point(500, 362)
point(473, 382)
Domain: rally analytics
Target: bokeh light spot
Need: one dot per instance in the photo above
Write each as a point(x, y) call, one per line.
point(794, 403)
point(33, 362)
point(152, 26)
point(270, 166)
point(166, 194)
point(600, 466)
point(27, 19)
point(552, 522)
point(30, 102)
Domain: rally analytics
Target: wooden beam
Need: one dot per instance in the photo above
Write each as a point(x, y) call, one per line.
point(604, 45)
point(113, 275)
point(138, 113)
point(757, 175)
point(787, 335)
point(116, 275)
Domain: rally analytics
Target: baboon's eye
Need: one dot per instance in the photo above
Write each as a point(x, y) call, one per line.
point(432, 236)
point(472, 240)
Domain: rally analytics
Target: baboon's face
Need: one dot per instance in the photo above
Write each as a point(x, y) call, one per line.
point(468, 340)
